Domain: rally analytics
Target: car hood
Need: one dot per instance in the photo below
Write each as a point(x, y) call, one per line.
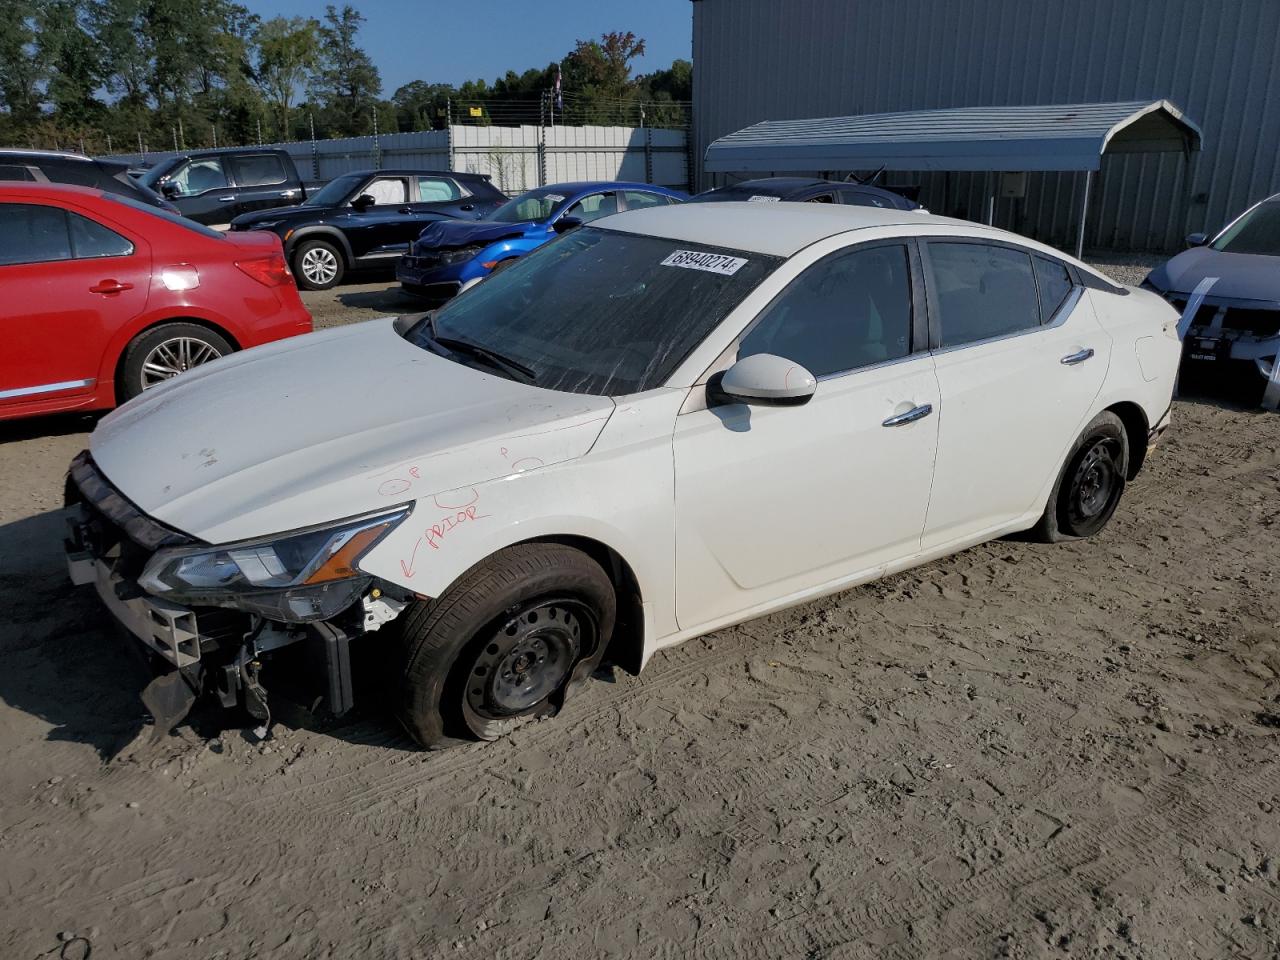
point(463, 233)
point(329, 425)
point(1241, 276)
point(291, 214)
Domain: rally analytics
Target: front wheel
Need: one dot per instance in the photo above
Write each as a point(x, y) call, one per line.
point(317, 265)
point(500, 646)
point(1091, 483)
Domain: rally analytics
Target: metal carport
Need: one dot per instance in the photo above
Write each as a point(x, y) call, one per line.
point(1070, 137)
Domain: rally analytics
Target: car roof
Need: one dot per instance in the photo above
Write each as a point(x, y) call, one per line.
point(50, 191)
point(42, 154)
point(784, 229)
point(586, 186)
point(414, 171)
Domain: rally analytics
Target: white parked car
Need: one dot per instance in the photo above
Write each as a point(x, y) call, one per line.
point(666, 422)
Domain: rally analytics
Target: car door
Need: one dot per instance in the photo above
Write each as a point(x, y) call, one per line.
point(775, 501)
point(69, 283)
point(202, 190)
point(261, 182)
point(438, 196)
point(384, 228)
point(1017, 379)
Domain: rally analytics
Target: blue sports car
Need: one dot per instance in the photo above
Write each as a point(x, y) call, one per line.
point(451, 255)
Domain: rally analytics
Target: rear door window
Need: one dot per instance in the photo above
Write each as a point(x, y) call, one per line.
point(639, 199)
point(33, 234)
point(12, 171)
point(982, 291)
point(850, 310)
point(259, 170)
point(90, 239)
point(438, 190)
point(861, 198)
point(1054, 281)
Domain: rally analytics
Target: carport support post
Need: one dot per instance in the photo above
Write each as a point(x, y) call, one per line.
point(1084, 213)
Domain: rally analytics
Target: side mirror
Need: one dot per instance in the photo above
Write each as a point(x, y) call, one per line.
point(768, 380)
point(170, 190)
point(1197, 239)
point(565, 224)
point(363, 202)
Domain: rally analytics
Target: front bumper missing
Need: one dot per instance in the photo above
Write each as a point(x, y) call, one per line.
point(167, 628)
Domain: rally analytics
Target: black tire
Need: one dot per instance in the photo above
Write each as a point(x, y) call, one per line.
point(474, 665)
point(308, 257)
point(1090, 486)
point(139, 368)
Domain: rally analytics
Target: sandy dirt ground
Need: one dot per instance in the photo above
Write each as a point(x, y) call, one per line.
point(1023, 751)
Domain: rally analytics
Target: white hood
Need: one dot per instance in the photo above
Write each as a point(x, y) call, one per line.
point(326, 426)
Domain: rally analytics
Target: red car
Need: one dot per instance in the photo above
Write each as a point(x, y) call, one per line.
point(102, 297)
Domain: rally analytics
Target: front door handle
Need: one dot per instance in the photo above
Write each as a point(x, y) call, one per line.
point(226, 199)
point(110, 286)
point(1079, 356)
point(911, 416)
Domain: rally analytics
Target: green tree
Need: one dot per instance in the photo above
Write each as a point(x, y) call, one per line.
point(73, 59)
point(598, 75)
point(345, 82)
point(20, 69)
point(286, 57)
point(421, 106)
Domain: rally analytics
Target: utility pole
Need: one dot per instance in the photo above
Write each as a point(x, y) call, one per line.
point(259, 131)
point(377, 147)
point(174, 131)
point(182, 138)
point(215, 136)
point(142, 153)
point(315, 153)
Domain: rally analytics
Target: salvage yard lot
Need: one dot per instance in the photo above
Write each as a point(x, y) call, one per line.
point(1021, 751)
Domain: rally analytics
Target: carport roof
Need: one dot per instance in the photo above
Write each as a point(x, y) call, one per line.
point(1057, 137)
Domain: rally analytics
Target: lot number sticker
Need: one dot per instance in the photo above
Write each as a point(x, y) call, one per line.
point(710, 262)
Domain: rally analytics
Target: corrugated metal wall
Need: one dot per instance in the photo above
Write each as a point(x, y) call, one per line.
point(1219, 60)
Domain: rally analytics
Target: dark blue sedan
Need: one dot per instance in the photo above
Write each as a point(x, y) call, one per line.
point(809, 190)
point(451, 255)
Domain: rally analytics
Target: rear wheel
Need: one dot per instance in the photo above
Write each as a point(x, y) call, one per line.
point(1090, 485)
point(499, 647)
point(163, 352)
point(317, 265)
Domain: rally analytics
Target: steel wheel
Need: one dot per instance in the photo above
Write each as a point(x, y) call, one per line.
point(527, 659)
point(319, 265)
point(1096, 483)
point(171, 357)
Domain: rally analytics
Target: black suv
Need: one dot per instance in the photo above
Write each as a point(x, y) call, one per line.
point(45, 166)
point(369, 218)
point(215, 186)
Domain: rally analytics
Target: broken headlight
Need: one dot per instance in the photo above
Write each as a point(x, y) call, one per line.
point(305, 575)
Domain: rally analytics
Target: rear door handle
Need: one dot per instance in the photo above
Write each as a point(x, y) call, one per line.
point(911, 416)
point(110, 286)
point(1081, 356)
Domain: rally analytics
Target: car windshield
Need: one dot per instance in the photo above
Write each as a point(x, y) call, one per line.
point(335, 191)
point(1258, 231)
point(598, 311)
point(173, 218)
point(531, 207)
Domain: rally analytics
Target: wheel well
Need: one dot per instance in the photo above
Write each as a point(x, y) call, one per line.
point(626, 646)
point(211, 327)
point(331, 237)
point(1137, 429)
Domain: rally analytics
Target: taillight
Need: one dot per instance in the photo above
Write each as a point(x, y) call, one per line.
point(269, 271)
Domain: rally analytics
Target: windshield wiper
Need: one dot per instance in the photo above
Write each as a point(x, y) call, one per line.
point(513, 368)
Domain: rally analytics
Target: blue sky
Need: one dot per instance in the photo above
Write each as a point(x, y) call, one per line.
point(449, 42)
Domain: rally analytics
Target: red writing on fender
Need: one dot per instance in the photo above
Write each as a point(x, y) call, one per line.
point(437, 532)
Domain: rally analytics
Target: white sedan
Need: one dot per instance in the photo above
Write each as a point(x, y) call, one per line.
point(662, 423)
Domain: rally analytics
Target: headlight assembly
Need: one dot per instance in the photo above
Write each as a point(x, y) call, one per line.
point(304, 575)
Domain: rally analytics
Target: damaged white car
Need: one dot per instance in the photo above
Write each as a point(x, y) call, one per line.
point(663, 423)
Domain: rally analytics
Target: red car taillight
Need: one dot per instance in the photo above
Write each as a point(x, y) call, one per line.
point(269, 271)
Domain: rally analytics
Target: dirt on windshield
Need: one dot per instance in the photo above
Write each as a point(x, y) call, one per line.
point(1022, 751)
